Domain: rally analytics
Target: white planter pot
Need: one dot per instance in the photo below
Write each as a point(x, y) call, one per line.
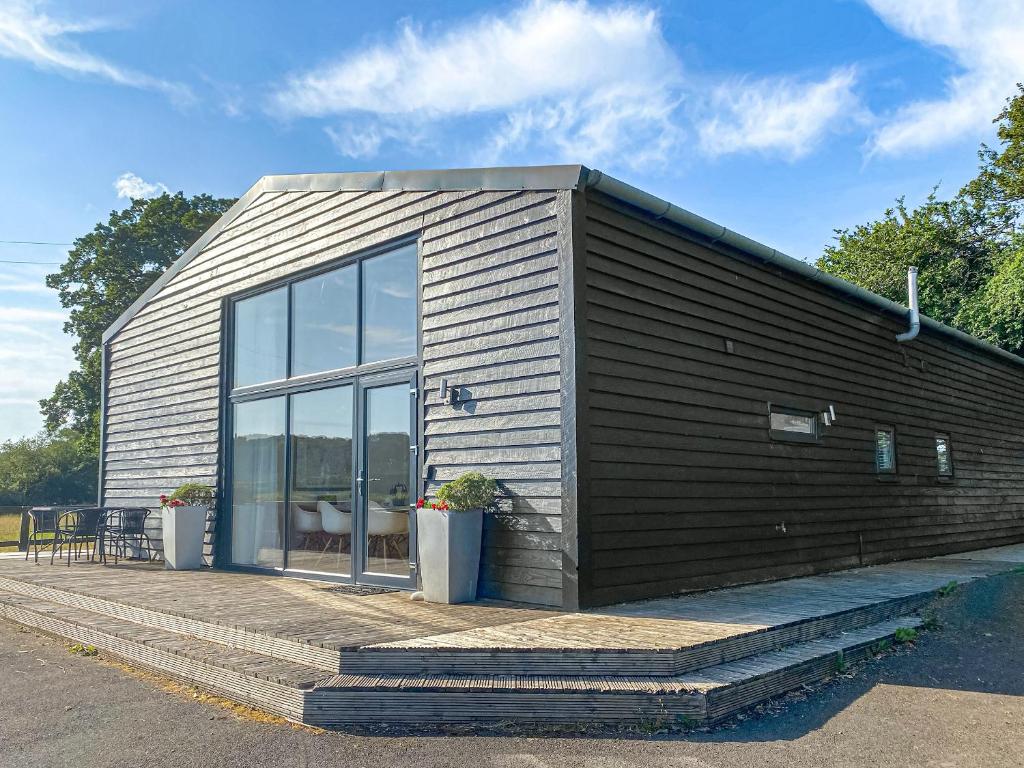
point(184, 529)
point(449, 544)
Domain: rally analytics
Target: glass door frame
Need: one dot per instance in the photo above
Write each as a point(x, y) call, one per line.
point(360, 510)
point(408, 369)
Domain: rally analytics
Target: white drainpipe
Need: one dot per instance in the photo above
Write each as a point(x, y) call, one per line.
point(915, 314)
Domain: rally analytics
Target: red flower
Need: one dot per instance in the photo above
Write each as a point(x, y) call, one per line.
point(420, 502)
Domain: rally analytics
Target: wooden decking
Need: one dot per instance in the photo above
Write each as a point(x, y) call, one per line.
point(326, 657)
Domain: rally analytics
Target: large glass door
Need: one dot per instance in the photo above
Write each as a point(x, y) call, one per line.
point(322, 469)
point(324, 480)
point(387, 480)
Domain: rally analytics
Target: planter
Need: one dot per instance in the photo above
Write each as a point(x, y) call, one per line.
point(449, 544)
point(184, 531)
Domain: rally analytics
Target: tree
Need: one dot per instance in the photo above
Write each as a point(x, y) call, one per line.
point(106, 270)
point(47, 469)
point(969, 249)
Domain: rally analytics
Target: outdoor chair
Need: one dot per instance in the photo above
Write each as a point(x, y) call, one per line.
point(124, 527)
point(44, 529)
point(75, 528)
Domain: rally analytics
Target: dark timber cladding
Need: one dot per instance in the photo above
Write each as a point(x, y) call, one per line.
point(688, 342)
point(490, 325)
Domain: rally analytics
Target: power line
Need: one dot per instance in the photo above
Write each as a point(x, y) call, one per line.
point(41, 263)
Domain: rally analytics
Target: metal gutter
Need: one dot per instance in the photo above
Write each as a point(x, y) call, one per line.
point(716, 233)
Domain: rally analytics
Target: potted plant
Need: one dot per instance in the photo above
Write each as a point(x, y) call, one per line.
point(449, 532)
point(184, 519)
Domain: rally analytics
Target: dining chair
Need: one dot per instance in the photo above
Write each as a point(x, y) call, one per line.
point(75, 528)
point(44, 529)
point(123, 527)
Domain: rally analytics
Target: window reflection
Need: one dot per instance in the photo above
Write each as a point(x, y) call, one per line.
point(324, 324)
point(257, 493)
point(389, 305)
point(261, 338)
point(388, 458)
point(320, 503)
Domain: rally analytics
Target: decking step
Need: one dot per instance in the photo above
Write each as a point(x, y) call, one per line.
point(305, 694)
point(718, 640)
point(707, 695)
point(275, 685)
point(266, 644)
point(585, 644)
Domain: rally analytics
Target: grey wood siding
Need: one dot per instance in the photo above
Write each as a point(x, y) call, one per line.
point(490, 326)
point(687, 490)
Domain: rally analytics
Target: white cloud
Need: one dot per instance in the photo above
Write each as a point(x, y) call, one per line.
point(131, 187)
point(986, 40)
point(35, 353)
point(778, 115)
point(573, 80)
point(29, 34)
point(11, 284)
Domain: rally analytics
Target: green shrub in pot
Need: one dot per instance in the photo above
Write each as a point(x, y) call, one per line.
point(470, 491)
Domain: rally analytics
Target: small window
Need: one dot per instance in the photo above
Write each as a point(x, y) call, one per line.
point(943, 456)
point(791, 424)
point(885, 450)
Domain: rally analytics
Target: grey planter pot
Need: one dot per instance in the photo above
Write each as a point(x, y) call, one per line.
point(184, 530)
point(449, 544)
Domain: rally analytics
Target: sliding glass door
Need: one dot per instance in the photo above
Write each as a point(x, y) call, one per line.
point(323, 422)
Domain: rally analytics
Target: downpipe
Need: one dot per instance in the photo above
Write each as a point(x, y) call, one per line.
point(915, 313)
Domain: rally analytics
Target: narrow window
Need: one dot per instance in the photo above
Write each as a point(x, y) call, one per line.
point(791, 424)
point(885, 450)
point(943, 457)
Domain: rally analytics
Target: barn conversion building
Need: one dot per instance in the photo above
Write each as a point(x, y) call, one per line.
point(667, 405)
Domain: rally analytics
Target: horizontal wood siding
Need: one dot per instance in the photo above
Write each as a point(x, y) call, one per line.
point(491, 328)
point(490, 325)
point(687, 489)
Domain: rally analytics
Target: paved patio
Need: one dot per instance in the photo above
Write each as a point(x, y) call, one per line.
point(312, 612)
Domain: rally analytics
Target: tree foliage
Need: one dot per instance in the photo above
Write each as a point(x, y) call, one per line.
point(969, 249)
point(57, 469)
point(106, 270)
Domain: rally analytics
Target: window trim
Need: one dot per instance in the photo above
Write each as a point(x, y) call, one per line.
point(949, 452)
point(786, 436)
point(891, 429)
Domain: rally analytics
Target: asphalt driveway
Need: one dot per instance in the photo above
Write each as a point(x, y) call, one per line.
point(956, 699)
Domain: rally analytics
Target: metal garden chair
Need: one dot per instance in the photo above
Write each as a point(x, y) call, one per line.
point(44, 529)
point(123, 527)
point(75, 528)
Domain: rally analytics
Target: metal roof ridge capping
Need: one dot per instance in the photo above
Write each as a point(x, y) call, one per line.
point(553, 177)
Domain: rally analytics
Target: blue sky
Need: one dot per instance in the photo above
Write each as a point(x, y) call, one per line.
point(781, 120)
